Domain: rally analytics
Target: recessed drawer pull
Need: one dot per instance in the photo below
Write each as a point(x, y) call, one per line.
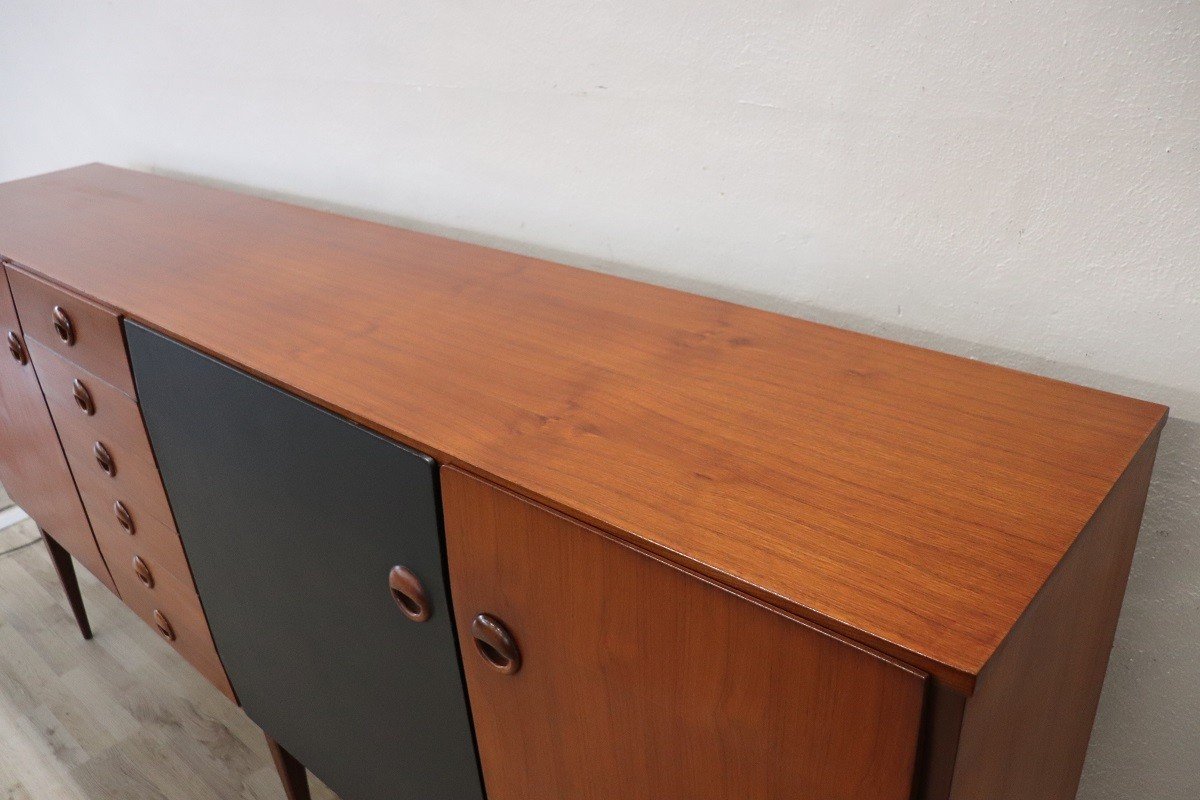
point(409, 593)
point(17, 348)
point(124, 518)
point(163, 625)
point(104, 459)
point(142, 570)
point(496, 644)
point(83, 398)
point(63, 326)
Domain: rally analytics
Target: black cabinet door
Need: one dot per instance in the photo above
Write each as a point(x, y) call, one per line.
point(292, 519)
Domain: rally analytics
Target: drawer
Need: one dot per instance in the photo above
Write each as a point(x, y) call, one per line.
point(82, 331)
point(154, 541)
point(78, 395)
point(134, 481)
point(174, 610)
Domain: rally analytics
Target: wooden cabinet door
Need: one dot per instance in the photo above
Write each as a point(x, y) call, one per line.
point(293, 520)
point(641, 681)
point(32, 466)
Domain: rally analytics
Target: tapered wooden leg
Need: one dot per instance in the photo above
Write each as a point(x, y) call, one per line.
point(291, 772)
point(65, 568)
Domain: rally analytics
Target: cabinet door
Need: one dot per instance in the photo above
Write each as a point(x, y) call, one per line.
point(640, 681)
point(292, 519)
point(32, 466)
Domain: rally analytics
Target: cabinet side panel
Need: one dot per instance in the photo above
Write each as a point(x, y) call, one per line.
point(1026, 729)
point(641, 681)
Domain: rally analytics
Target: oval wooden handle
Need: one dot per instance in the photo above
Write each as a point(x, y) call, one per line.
point(496, 644)
point(124, 518)
point(83, 398)
point(409, 593)
point(104, 459)
point(164, 626)
point(17, 348)
point(63, 326)
point(142, 570)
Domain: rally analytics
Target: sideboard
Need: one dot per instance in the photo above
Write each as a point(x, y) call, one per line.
point(454, 523)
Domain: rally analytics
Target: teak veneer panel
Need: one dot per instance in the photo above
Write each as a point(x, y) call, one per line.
point(114, 415)
point(641, 681)
point(912, 500)
point(1025, 731)
point(183, 612)
point(96, 343)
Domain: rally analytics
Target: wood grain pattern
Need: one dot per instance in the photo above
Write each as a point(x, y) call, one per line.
point(98, 344)
point(639, 680)
point(115, 417)
point(153, 540)
point(179, 604)
point(1025, 731)
point(911, 500)
point(148, 567)
point(158, 544)
point(136, 481)
point(33, 468)
point(116, 421)
point(941, 730)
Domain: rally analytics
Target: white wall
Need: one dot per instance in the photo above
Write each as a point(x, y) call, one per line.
point(1017, 181)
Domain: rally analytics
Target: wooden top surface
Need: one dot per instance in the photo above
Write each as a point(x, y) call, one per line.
point(911, 500)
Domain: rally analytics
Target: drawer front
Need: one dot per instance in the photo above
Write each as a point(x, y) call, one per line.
point(159, 545)
point(640, 681)
point(80, 330)
point(88, 410)
point(174, 610)
point(126, 502)
point(79, 395)
point(134, 480)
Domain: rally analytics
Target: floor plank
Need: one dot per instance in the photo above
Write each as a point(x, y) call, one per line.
point(122, 716)
point(16, 535)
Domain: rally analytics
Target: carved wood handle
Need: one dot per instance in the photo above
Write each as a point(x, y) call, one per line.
point(124, 518)
point(409, 593)
point(17, 348)
point(83, 398)
point(163, 625)
point(496, 644)
point(104, 459)
point(142, 570)
point(63, 326)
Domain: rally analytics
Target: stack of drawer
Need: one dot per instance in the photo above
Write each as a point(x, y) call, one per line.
point(78, 351)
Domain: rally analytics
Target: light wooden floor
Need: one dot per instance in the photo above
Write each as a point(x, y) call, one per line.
point(120, 717)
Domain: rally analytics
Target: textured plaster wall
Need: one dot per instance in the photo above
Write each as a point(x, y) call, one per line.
point(1015, 181)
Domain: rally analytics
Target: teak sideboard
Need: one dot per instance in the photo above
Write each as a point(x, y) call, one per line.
point(454, 523)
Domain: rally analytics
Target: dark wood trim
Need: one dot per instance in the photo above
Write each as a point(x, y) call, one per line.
point(292, 774)
point(65, 568)
point(941, 725)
